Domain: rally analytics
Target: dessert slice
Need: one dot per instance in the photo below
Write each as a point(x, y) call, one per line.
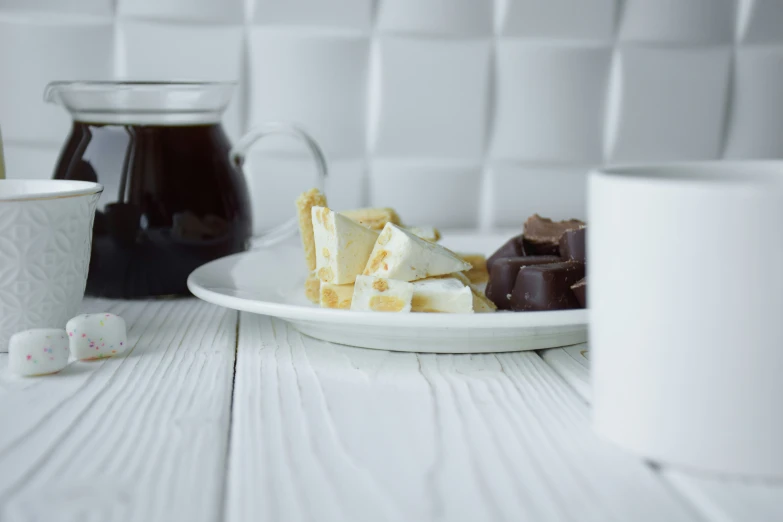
point(313, 288)
point(373, 218)
point(342, 246)
point(375, 294)
point(442, 294)
point(402, 255)
point(429, 233)
point(478, 274)
point(336, 296)
point(481, 304)
point(304, 204)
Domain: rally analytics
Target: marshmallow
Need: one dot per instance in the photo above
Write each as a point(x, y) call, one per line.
point(39, 351)
point(95, 336)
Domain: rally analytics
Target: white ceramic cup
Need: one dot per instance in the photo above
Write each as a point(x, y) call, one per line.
point(2, 160)
point(45, 242)
point(686, 313)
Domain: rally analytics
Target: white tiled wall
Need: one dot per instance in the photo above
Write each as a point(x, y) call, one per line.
point(457, 112)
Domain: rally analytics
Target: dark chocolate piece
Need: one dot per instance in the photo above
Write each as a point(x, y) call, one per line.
point(547, 287)
point(511, 248)
point(541, 249)
point(580, 291)
point(503, 276)
point(572, 245)
point(542, 235)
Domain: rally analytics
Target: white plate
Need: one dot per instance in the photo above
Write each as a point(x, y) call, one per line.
point(271, 282)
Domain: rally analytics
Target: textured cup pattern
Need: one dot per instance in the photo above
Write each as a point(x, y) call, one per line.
point(44, 259)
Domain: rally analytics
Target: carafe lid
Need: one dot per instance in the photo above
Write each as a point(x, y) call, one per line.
point(142, 103)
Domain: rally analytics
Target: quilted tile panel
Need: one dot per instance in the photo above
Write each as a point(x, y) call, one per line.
point(348, 14)
point(427, 192)
point(436, 17)
point(550, 101)
point(678, 21)
point(667, 104)
point(186, 52)
point(275, 182)
point(475, 99)
point(761, 21)
point(589, 20)
point(24, 161)
point(211, 11)
point(71, 7)
point(33, 53)
point(431, 98)
point(756, 129)
point(319, 82)
point(519, 190)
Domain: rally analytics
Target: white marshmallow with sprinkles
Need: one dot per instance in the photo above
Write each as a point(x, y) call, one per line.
point(97, 336)
point(39, 351)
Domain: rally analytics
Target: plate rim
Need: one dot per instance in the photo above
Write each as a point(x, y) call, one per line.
point(505, 320)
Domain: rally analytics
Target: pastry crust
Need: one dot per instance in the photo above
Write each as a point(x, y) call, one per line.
point(313, 288)
point(480, 302)
point(336, 296)
point(478, 274)
point(304, 204)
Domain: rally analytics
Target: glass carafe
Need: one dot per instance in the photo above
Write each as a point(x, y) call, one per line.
point(175, 195)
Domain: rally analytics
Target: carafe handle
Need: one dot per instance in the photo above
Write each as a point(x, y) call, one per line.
point(237, 157)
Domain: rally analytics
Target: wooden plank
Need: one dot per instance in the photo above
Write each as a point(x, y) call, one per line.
point(327, 432)
point(717, 498)
point(724, 500)
point(572, 363)
point(138, 437)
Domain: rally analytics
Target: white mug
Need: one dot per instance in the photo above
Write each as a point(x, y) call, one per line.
point(2, 160)
point(686, 313)
point(45, 242)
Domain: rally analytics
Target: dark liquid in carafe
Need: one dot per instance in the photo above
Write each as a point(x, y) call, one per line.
point(172, 201)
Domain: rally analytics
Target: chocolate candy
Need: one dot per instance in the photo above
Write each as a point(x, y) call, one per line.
point(511, 248)
point(504, 275)
point(547, 287)
point(541, 249)
point(580, 291)
point(542, 235)
point(572, 244)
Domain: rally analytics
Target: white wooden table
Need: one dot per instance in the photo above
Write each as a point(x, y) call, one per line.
point(216, 415)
